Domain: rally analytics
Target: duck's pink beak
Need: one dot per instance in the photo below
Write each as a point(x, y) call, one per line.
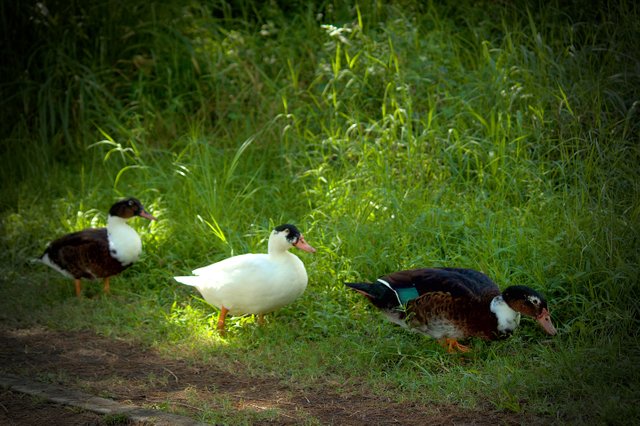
point(146, 215)
point(544, 319)
point(302, 245)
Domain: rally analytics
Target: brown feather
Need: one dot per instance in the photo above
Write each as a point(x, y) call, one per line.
point(459, 296)
point(470, 315)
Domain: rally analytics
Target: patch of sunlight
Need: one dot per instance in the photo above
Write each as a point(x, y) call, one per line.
point(193, 326)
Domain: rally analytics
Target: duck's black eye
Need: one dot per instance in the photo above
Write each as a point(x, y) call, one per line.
point(130, 203)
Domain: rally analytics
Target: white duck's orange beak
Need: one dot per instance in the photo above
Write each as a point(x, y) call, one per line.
point(302, 245)
point(544, 319)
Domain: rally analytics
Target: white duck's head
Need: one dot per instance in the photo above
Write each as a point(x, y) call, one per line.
point(286, 236)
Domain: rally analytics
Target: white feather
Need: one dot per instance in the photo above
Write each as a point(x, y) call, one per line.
point(441, 327)
point(508, 319)
point(47, 261)
point(124, 242)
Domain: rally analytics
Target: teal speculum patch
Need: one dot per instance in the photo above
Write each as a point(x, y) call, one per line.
point(406, 294)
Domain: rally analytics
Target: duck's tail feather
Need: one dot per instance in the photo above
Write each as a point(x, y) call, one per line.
point(382, 296)
point(188, 280)
point(364, 288)
point(43, 258)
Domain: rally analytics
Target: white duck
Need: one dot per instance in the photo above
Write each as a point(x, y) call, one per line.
point(255, 283)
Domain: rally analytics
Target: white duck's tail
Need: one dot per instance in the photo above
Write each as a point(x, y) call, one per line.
point(189, 280)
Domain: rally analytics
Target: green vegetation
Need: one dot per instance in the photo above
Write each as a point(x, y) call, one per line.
point(475, 134)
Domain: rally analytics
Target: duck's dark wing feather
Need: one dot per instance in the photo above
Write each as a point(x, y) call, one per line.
point(480, 284)
point(458, 282)
point(84, 254)
point(80, 238)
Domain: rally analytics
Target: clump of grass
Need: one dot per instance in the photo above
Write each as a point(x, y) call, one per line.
point(116, 419)
point(478, 135)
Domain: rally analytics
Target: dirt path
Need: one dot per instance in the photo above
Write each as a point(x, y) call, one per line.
point(126, 372)
point(18, 409)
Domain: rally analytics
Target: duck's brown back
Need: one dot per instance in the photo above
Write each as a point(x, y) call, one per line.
point(85, 254)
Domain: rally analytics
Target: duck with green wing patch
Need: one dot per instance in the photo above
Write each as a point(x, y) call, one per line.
point(454, 303)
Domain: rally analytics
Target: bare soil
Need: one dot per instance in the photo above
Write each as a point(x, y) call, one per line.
point(128, 372)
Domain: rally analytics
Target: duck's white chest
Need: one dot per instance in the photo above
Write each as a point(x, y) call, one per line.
point(124, 242)
point(290, 281)
point(282, 285)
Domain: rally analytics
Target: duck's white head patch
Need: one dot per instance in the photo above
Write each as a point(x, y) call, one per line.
point(535, 300)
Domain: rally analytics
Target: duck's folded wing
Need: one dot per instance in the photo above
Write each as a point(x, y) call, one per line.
point(82, 254)
point(238, 269)
point(477, 282)
point(228, 265)
point(431, 280)
point(81, 238)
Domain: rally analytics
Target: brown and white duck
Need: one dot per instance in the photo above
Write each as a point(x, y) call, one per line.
point(454, 303)
point(254, 283)
point(99, 252)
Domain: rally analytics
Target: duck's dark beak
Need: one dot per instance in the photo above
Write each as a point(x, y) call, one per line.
point(302, 245)
point(544, 319)
point(146, 215)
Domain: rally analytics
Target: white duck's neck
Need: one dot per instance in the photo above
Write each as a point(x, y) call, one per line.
point(508, 319)
point(124, 242)
point(278, 247)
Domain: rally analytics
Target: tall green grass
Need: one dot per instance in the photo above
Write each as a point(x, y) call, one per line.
point(478, 134)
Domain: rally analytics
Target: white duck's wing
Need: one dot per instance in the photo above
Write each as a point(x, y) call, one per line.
point(245, 266)
point(228, 280)
point(248, 264)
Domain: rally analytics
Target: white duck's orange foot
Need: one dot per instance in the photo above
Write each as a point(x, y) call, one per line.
point(221, 319)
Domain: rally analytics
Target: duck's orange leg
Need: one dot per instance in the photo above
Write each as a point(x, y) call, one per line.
point(106, 285)
point(261, 319)
point(221, 318)
point(78, 286)
point(452, 345)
